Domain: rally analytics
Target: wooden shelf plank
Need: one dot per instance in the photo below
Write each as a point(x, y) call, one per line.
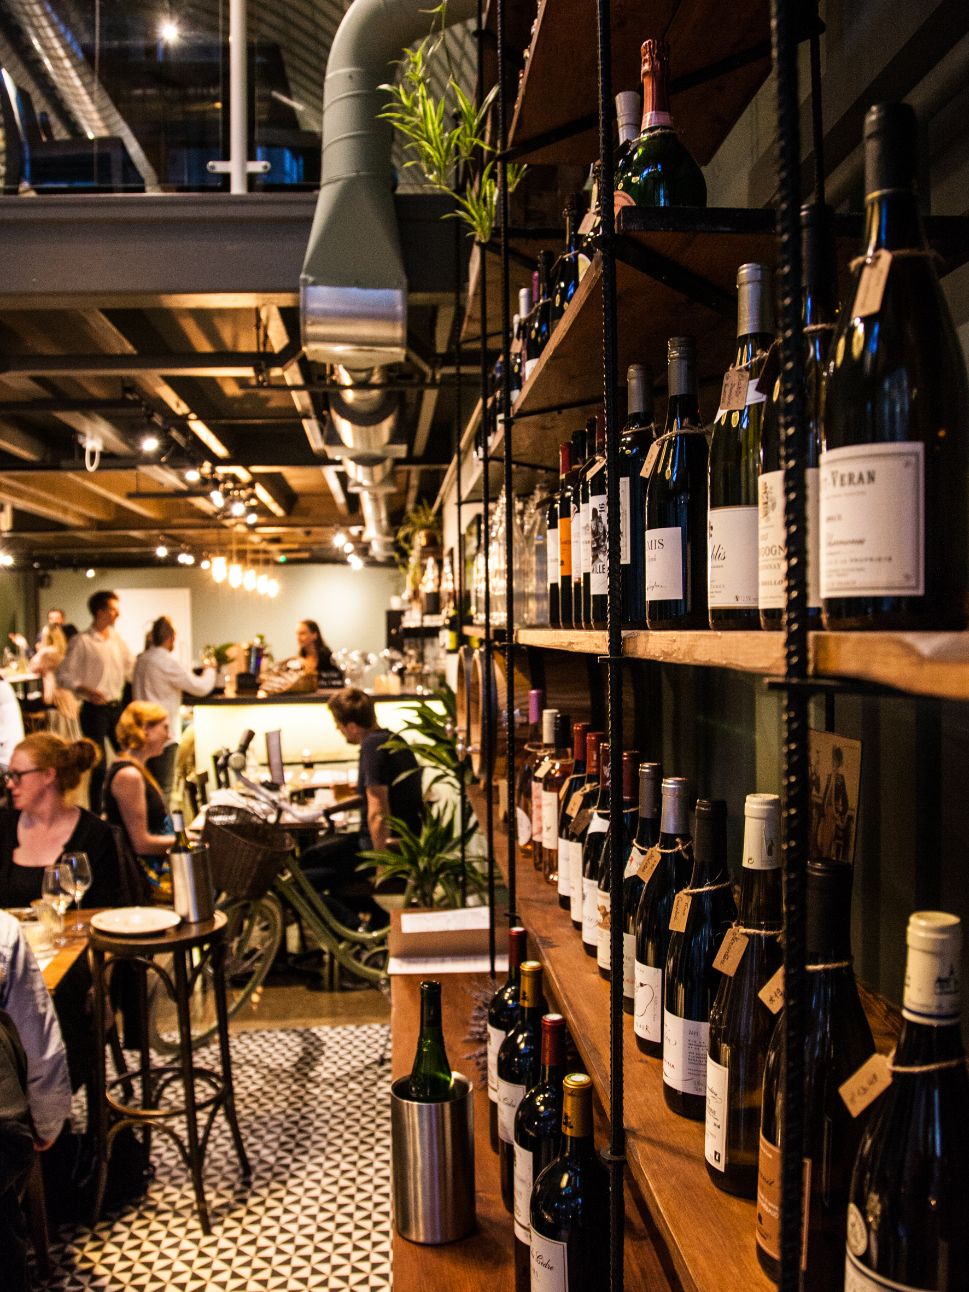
point(930, 664)
point(747, 652)
point(570, 639)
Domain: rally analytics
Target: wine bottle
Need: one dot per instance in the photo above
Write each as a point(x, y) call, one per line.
point(630, 802)
point(552, 571)
point(895, 425)
point(544, 759)
point(740, 1023)
point(734, 450)
point(518, 343)
point(581, 547)
point(592, 854)
point(430, 1077)
point(540, 325)
point(538, 1136)
point(818, 311)
point(530, 759)
point(634, 443)
point(525, 326)
point(629, 116)
point(565, 536)
point(702, 914)
point(595, 536)
point(502, 1015)
point(566, 273)
point(553, 783)
point(658, 169)
point(580, 825)
point(570, 1204)
point(518, 1064)
point(589, 228)
point(908, 1213)
point(646, 837)
point(671, 873)
point(838, 1041)
point(676, 504)
point(570, 802)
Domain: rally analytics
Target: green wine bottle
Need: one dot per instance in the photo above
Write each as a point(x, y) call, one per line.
point(430, 1077)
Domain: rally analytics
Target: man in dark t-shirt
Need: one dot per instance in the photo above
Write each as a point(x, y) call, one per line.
point(386, 791)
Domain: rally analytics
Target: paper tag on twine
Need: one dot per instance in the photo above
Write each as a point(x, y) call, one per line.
point(681, 911)
point(650, 861)
point(575, 802)
point(733, 396)
point(731, 952)
point(581, 823)
point(871, 285)
point(652, 453)
point(587, 223)
point(772, 993)
point(541, 769)
point(864, 1086)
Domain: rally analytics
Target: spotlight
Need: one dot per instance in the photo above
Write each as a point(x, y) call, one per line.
point(252, 517)
point(356, 562)
point(262, 584)
point(219, 569)
point(217, 498)
point(249, 579)
point(192, 475)
point(6, 560)
point(272, 588)
point(161, 551)
point(186, 558)
point(339, 538)
point(169, 31)
point(348, 548)
point(150, 444)
point(89, 574)
point(205, 563)
point(235, 575)
point(237, 507)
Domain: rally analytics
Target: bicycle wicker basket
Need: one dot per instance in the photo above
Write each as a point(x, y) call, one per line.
point(246, 853)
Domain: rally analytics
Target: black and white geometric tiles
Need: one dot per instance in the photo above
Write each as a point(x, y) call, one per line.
point(314, 1111)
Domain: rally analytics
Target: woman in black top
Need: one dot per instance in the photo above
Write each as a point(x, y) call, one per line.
point(313, 650)
point(132, 797)
point(41, 825)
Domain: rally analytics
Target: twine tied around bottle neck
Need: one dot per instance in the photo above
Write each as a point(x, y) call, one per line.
point(831, 964)
point(680, 847)
point(812, 329)
point(902, 254)
point(756, 933)
point(914, 1068)
point(708, 888)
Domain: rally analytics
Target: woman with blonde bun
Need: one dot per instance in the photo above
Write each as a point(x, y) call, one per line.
point(41, 825)
point(132, 797)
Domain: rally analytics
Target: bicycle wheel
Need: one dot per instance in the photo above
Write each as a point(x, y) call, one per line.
point(253, 936)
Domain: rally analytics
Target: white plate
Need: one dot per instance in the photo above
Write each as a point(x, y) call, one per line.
point(136, 920)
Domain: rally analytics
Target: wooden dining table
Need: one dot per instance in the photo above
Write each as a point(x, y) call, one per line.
point(56, 970)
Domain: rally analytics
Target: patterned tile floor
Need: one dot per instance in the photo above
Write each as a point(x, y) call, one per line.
point(315, 1121)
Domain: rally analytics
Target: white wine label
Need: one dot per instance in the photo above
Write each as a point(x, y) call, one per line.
point(576, 540)
point(590, 911)
point(685, 1053)
point(769, 1198)
point(603, 943)
point(857, 1231)
point(510, 1096)
point(865, 1085)
point(598, 542)
point(524, 825)
point(523, 1193)
point(495, 1037)
point(549, 1260)
point(732, 558)
point(575, 880)
point(872, 521)
point(598, 825)
point(629, 965)
point(648, 1003)
point(715, 1136)
point(664, 564)
point(860, 1279)
point(564, 885)
point(771, 562)
point(636, 855)
point(552, 554)
point(586, 538)
point(565, 547)
point(550, 819)
point(625, 555)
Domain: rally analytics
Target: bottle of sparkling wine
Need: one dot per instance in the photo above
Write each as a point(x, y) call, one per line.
point(553, 783)
point(895, 425)
point(646, 837)
point(571, 801)
point(634, 443)
point(676, 504)
point(740, 1023)
point(701, 915)
point(837, 1042)
point(430, 1077)
point(592, 847)
point(580, 825)
point(908, 1214)
point(630, 802)
point(545, 758)
point(595, 526)
point(564, 530)
point(819, 309)
point(538, 1137)
point(671, 873)
point(502, 1015)
point(570, 1204)
point(658, 169)
point(732, 579)
point(518, 1065)
point(566, 274)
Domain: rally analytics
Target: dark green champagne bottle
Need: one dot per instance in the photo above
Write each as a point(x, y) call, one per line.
point(676, 504)
point(658, 169)
point(570, 1204)
point(740, 1023)
point(538, 1137)
point(502, 1016)
point(895, 425)
point(690, 981)
point(634, 443)
point(430, 1077)
point(630, 801)
point(734, 452)
point(571, 792)
point(518, 1065)
point(908, 1214)
point(646, 835)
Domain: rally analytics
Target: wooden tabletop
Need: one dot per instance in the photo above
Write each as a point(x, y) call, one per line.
point(57, 969)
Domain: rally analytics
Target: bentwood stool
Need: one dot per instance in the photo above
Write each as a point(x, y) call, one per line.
point(193, 949)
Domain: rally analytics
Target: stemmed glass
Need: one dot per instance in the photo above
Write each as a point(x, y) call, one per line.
point(79, 867)
point(57, 889)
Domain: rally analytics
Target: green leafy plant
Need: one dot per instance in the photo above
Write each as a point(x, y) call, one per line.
point(431, 734)
point(446, 136)
point(421, 519)
point(430, 862)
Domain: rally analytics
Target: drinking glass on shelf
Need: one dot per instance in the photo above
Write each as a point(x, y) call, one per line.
point(57, 890)
point(79, 866)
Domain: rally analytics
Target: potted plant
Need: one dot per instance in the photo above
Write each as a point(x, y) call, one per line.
point(431, 864)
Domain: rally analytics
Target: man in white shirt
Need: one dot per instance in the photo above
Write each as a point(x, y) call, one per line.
point(96, 667)
point(11, 722)
point(160, 678)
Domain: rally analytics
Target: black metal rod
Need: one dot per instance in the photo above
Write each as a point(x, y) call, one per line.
point(616, 860)
point(817, 117)
point(796, 793)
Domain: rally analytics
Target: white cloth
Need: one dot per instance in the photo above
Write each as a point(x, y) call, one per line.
point(160, 678)
point(26, 999)
point(98, 661)
point(11, 723)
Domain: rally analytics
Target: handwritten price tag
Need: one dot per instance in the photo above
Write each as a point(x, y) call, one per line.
point(575, 802)
point(864, 1086)
point(542, 768)
point(731, 952)
point(652, 454)
point(681, 911)
point(734, 392)
point(650, 861)
point(871, 285)
point(772, 993)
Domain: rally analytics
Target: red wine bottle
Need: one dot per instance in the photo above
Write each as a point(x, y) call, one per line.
point(538, 1137)
point(595, 527)
point(592, 848)
point(580, 825)
point(502, 1015)
point(571, 799)
point(630, 762)
point(646, 836)
point(638, 435)
point(518, 1066)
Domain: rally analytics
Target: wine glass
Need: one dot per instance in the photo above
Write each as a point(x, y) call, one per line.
point(79, 866)
point(57, 889)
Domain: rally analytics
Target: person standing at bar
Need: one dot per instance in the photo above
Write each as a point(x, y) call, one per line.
point(97, 666)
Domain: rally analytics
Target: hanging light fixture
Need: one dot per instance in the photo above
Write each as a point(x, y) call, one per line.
point(161, 551)
point(272, 588)
point(219, 569)
point(262, 583)
point(249, 579)
point(235, 575)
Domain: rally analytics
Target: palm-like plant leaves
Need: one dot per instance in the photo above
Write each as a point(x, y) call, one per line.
point(429, 861)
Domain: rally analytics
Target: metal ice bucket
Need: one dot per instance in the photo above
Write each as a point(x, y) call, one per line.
point(432, 1154)
point(192, 893)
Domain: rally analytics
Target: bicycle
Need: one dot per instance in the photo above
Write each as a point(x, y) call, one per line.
point(260, 882)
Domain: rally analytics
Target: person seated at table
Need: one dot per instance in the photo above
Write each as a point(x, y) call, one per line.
point(41, 825)
point(132, 797)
